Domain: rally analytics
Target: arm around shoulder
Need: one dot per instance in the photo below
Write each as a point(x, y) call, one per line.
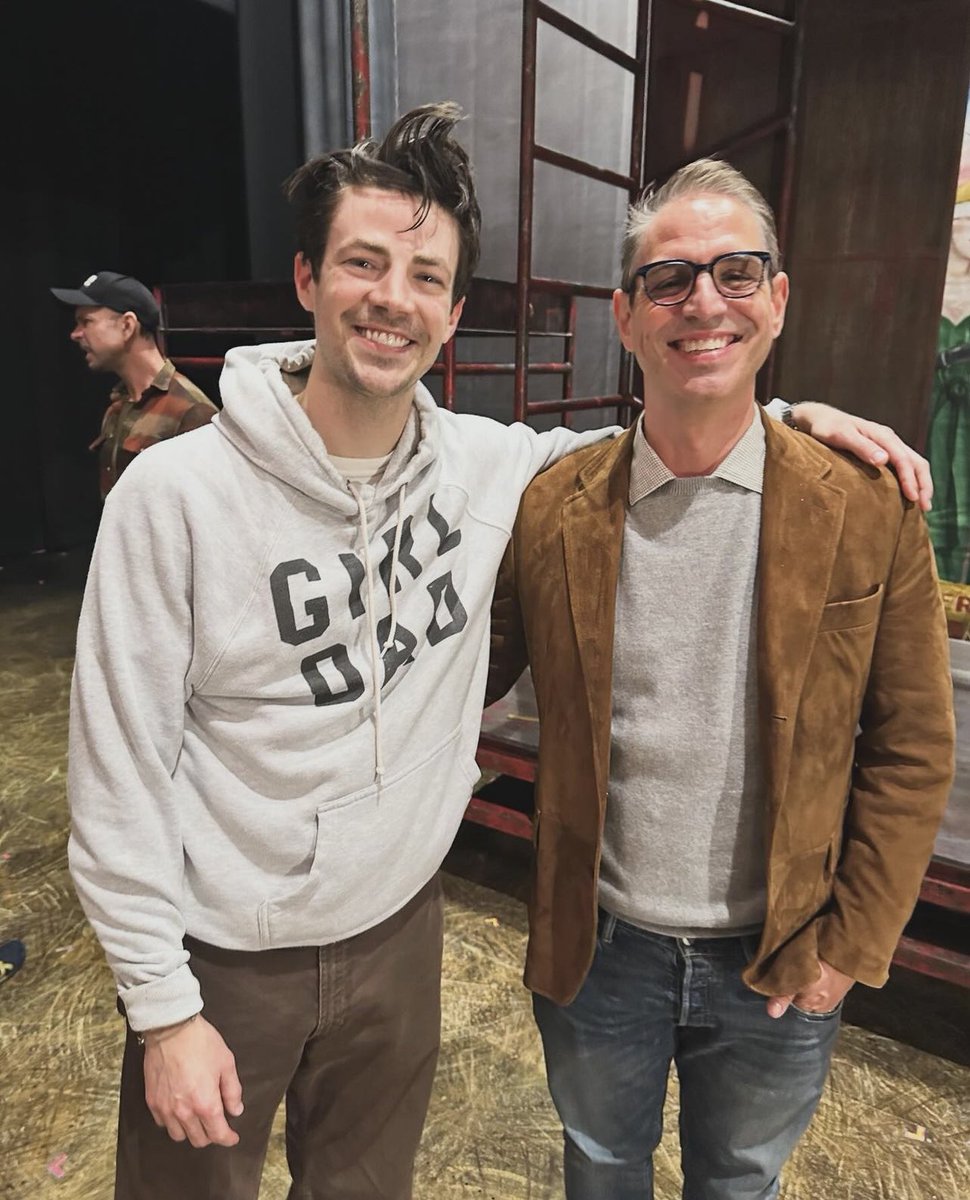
point(869, 441)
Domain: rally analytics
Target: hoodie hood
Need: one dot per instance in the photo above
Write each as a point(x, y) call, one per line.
point(264, 422)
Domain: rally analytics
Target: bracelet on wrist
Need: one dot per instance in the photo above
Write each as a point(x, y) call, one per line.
point(163, 1031)
point(783, 409)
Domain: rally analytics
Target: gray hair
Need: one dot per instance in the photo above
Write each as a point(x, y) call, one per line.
point(708, 176)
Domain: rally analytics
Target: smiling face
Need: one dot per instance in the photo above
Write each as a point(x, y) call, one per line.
point(382, 301)
point(709, 347)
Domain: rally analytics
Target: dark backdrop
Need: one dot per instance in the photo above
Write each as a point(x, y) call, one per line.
point(121, 149)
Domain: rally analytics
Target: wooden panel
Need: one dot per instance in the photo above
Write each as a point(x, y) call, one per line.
point(929, 959)
point(884, 93)
point(496, 816)
point(860, 334)
point(233, 306)
point(711, 77)
point(946, 893)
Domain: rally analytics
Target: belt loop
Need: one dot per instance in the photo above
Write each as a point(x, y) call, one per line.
point(607, 926)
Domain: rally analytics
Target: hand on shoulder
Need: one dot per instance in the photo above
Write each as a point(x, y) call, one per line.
point(871, 443)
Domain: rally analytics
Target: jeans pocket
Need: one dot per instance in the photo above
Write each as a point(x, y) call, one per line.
point(807, 1015)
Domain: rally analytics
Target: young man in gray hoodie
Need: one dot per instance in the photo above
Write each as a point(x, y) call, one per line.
point(280, 672)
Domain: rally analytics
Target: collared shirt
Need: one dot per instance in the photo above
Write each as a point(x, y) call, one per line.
point(171, 404)
point(744, 465)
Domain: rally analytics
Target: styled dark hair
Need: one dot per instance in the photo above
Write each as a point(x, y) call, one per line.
point(418, 157)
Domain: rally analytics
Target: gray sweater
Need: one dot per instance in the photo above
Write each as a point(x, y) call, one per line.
point(683, 845)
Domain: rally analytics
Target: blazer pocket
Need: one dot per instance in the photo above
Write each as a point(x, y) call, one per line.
point(851, 614)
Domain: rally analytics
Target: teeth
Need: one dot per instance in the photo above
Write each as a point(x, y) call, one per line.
point(385, 339)
point(695, 345)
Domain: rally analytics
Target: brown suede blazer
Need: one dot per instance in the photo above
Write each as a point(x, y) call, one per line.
point(850, 634)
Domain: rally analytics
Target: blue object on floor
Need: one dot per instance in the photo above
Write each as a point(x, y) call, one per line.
point(12, 956)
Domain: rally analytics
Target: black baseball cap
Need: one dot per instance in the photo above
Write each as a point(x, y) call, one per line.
point(109, 289)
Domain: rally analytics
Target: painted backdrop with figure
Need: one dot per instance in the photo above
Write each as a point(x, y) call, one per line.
point(949, 432)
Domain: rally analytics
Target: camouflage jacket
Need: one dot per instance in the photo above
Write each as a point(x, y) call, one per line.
point(171, 404)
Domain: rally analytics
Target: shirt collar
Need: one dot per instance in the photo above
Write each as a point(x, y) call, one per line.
point(163, 379)
point(161, 383)
point(744, 465)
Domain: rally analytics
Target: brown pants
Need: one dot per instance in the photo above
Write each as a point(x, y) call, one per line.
point(347, 1033)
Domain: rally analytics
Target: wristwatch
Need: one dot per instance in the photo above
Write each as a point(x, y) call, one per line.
point(782, 410)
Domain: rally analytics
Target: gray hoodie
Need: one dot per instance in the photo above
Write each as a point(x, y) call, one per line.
point(279, 678)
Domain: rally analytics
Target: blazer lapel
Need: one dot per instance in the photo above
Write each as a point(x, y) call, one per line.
point(801, 523)
point(592, 521)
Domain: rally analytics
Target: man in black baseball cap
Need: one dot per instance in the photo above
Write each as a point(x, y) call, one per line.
point(120, 293)
point(115, 320)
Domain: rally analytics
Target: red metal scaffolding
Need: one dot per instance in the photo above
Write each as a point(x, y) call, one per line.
point(360, 68)
point(530, 152)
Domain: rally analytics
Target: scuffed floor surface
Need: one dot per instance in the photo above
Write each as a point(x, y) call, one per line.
point(895, 1123)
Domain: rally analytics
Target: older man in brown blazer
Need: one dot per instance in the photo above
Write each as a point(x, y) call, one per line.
point(741, 668)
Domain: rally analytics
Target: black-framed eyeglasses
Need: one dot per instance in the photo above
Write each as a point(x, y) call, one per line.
point(736, 274)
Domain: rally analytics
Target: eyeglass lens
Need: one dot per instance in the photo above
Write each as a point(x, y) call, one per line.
point(734, 275)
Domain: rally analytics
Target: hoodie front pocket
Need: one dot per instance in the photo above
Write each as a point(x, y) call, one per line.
point(375, 848)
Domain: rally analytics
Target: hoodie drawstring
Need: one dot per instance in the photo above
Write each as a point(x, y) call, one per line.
point(395, 554)
point(376, 651)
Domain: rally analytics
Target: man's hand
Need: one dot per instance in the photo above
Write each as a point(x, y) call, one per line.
point(826, 993)
point(191, 1083)
point(870, 442)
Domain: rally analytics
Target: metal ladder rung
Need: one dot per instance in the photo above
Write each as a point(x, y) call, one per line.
point(580, 167)
point(579, 33)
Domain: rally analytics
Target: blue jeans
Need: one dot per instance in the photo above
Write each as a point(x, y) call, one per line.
point(749, 1083)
